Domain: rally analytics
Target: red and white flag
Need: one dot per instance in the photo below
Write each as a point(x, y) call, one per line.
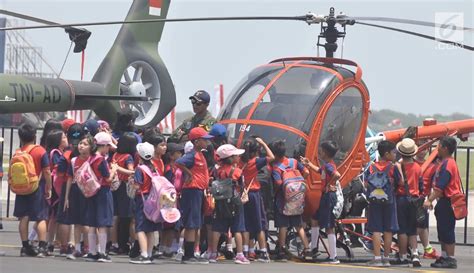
point(155, 7)
point(219, 98)
point(167, 125)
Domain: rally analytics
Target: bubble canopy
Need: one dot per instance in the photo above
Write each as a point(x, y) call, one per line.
point(282, 100)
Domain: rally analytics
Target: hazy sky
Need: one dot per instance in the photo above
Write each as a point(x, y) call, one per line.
point(403, 73)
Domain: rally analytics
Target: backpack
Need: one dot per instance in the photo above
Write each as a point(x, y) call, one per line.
point(57, 183)
point(22, 176)
point(294, 189)
point(227, 202)
point(379, 186)
point(160, 206)
point(85, 177)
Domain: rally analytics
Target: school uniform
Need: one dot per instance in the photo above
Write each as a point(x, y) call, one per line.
point(282, 220)
point(328, 201)
point(100, 207)
point(254, 209)
point(447, 181)
point(142, 224)
point(192, 194)
point(34, 205)
point(122, 203)
point(237, 222)
point(383, 217)
point(428, 177)
point(406, 214)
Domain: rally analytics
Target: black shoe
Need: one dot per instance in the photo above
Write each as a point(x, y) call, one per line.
point(281, 257)
point(438, 261)
point(263, 257)
point(307, 255)
point(140, 260)
point(194, 260)
point(415, 260)
point(134, 251)
point(315, 253)
point(229, 255)
point(445, 263)
point(42, 252)
point(104, 258)
point(92, 258)
point(28, 251)
point(399, 262)
point(107, 246)
point(113, 250)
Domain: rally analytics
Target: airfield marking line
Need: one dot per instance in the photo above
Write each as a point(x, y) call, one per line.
point(346, 266)
point(9, 246)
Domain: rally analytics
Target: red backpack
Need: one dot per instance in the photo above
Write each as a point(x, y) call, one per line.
point(294, 189)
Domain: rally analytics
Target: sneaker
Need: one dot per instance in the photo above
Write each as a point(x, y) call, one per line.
point(438, 261)
point(42, 252)
point(212, 258)
point(252, 256)
point(399, 262)
point(140, 260)
point(315, 254)
point(205, 255)
point(263, 257)
point(78, 254)
point(376, 263)
point(92, 258)
point(104, 258)
point(194, 260)
point(167, 255)
point(50, 250)
point(179, 255)
point(433, 255)
point(28, 251)
point(240, 259)
point(308, 255)
point(113, 250)
point(331, 261)
point(386, 262)
point(281, 257)
point(415, 261)
point(445, 263)
point(196, 254)
point(229, 255)
point(63, 251)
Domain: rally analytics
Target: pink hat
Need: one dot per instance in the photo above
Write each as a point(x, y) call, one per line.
point(103, 138)
point(228, 150)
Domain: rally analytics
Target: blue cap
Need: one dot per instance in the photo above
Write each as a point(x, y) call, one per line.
point(91, 126)
point(218, 130)
point(201, 96)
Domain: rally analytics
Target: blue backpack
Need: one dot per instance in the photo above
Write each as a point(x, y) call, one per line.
point(379, 189)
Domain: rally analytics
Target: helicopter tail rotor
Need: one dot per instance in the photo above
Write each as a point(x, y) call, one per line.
point(134, 68)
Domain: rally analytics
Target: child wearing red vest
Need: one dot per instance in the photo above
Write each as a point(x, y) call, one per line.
point(447, 183)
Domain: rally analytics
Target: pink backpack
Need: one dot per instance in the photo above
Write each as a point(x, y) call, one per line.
point(85, 177)
point(57, 182)
point(294, 189)
point(160, 206)
point(178, 180)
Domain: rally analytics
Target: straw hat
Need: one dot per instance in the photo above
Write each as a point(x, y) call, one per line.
point(407, 147)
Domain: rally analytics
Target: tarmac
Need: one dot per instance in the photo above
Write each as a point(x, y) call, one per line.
point(13, 263)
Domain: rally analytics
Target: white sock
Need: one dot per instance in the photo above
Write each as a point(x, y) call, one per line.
point(251, 249)
point(377, 258)
point(240, 254)
point(102, 242)
point(115, 245)
point(246, 248)
point(314, 237)
point(144, 255)
point(264, 250)
point(181, 242)
point(229, 247)
point(332, 245)
point(404, 257)
point(92, 243)
point(78, 246)
point(444, 254)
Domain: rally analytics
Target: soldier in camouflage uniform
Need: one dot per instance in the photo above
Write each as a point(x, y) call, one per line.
point(202, 117)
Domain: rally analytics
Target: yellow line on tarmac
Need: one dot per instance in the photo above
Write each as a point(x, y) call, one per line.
point(346, 266)
point(9, 246)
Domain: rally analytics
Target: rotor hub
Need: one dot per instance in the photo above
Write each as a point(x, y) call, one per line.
point(137, 89)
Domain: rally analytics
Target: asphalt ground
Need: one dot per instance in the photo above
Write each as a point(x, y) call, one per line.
point(12, 262)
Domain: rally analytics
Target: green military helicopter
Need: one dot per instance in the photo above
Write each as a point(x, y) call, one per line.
point(133, 75)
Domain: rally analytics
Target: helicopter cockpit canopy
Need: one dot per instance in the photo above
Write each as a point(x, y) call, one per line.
point(282, 100)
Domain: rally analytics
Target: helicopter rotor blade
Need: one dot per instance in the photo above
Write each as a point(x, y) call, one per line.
point(467, 47)
point(241, 18)
point(27, 17)
point(411, 22)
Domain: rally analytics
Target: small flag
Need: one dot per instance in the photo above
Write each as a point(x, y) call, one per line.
point(155, 7)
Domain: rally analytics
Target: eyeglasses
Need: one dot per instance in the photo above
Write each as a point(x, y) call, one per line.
point(197, 103)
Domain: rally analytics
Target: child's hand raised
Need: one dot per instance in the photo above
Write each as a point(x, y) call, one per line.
point(304, 161)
